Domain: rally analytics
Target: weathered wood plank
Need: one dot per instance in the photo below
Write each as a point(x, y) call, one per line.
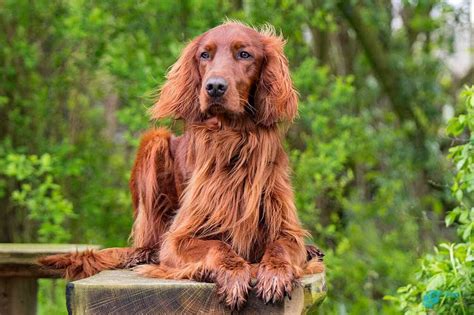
point(124, 292)
point(20, 253)
point(19, 259)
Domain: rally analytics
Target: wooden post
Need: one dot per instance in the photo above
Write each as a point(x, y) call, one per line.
point(125, 292)
point(19, 274)
point(18, 295)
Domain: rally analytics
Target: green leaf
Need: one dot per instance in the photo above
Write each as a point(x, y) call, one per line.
point(436, 282)
point(450, 218)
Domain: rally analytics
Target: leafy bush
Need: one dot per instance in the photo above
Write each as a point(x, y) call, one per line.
point(445, 279)
point(38, 194)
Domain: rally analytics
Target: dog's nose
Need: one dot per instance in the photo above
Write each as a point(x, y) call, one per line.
point(216, 87)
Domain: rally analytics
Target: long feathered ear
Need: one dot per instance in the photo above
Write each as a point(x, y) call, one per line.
point(178, 97)
point(275, 98)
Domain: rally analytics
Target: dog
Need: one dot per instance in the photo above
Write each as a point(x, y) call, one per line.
point(216, 203)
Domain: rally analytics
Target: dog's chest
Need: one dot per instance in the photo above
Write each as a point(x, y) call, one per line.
point(228, 176)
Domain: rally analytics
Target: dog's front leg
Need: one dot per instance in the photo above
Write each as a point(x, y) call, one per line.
point(205, 260)
point(279, 270)
point(284, 257)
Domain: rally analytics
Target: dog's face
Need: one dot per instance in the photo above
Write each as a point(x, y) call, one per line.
point(231, 70)
point(229, 59)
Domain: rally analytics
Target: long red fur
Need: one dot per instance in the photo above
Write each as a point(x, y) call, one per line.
point(216, 203)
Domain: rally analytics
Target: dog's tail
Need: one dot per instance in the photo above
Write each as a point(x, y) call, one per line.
point(84, 264)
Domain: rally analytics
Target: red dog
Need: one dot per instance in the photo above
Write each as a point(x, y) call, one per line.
point(212, 202)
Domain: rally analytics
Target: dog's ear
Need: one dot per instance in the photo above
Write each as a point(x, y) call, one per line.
point(275, 98)
point(178, 97)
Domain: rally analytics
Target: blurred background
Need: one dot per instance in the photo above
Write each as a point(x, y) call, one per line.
point(379, 81)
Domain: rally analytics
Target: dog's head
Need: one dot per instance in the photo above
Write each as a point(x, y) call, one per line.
point(231, 70)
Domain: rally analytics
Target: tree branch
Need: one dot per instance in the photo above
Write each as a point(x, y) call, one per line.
point(379, 60)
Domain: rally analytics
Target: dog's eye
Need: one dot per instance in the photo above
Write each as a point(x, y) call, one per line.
point(205, 55)
point(244, 55)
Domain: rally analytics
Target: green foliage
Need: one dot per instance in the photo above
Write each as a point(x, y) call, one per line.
point(51, 296)
point(463, 157)
point(340, 149)
point(77, 77)
point(444, 283)
point(445, 279)
point(38, 194)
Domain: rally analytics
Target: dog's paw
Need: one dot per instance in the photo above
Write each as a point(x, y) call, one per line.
point(152, 271)
point(233, 284)
point(275, 280)
point(314, 252)
point(142, 255)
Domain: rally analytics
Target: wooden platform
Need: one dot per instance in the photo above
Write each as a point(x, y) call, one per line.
point(124, 292)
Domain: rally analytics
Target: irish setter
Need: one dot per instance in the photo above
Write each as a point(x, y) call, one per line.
point(216, 203)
